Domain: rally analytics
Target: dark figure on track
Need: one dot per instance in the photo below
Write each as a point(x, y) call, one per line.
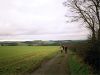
point(64, 49)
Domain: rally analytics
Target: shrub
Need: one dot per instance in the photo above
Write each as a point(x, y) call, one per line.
point(92, 56)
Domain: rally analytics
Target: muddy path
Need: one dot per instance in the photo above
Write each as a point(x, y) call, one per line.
point(56, 66)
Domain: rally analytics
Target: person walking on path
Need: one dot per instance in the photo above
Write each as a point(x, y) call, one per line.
point(64, 49)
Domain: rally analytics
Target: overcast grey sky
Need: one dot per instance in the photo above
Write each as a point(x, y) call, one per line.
point(37, 20)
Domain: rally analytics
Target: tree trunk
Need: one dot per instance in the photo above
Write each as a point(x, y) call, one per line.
point(99, 35)
point(93, 39)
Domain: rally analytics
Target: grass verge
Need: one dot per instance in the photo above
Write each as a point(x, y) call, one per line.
point(77, 67)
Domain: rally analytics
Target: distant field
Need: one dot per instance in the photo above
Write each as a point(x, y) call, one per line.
point(23, 59)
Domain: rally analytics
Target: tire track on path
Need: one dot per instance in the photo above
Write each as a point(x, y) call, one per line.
point(56, 66)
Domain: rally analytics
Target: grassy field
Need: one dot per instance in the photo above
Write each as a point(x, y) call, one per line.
point(16, 60)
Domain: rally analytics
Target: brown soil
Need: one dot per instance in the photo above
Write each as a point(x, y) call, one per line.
point(56, 66)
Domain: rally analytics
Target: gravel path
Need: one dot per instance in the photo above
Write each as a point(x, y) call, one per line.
point(56, 66)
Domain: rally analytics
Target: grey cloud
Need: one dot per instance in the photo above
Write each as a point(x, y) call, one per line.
point(36, 19)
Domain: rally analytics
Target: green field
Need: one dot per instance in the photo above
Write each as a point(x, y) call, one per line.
point(16, 60)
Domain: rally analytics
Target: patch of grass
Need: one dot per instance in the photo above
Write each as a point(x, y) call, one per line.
point(77, 68)
point(18, 60)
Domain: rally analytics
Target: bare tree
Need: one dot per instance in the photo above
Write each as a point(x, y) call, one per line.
point(87, 11)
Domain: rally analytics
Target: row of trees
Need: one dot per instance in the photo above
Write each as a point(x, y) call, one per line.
point(31, 43)
point(88, 13)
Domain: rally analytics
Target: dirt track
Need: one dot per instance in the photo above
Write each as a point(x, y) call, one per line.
point(56, 66)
